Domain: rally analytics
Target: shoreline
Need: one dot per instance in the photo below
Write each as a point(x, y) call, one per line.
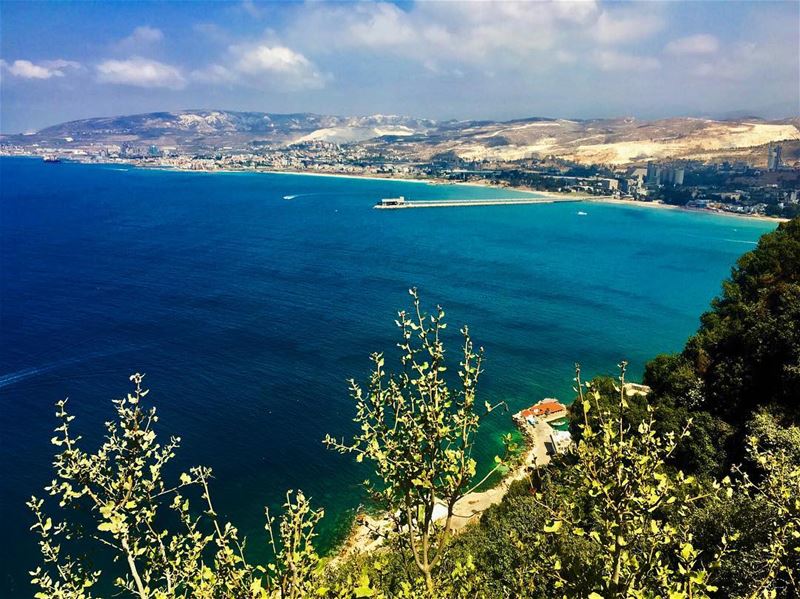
point(662, 206)
point(368, 531)
point(439, 181)
point(583, 197)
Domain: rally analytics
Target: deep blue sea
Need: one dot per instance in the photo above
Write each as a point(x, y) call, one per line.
point(248, 312)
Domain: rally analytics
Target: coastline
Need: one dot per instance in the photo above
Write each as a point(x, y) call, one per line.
point(487, 185)
point(527, 190)
point(659, 205)
point(439, 181)
point(368, 531)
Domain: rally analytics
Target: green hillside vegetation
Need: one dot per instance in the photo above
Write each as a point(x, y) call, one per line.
point(690, 491)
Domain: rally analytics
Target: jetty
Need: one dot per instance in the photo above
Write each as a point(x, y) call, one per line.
point(401, 203)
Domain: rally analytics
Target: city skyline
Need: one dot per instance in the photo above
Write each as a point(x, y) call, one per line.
point(499, 61)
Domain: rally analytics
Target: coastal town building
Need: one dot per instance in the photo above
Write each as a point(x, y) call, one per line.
point(548, 409)
point(558, 442)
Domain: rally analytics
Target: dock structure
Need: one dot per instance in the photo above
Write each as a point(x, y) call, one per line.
point(401, 203)
point(534, 423)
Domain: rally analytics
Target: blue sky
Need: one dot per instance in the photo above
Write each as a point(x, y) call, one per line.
point(492, 60)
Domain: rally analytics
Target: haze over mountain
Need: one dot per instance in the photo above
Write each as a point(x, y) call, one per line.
point(608, 141)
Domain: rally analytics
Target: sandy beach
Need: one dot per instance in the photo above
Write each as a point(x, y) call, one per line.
point(661, 206)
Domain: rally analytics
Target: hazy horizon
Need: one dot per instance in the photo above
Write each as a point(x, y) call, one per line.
point(438, 60)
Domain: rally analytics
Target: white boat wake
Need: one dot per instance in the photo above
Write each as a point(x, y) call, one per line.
point(12, 378)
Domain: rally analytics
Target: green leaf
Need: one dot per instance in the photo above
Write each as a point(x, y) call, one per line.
point(555, 527)
point(363, 589)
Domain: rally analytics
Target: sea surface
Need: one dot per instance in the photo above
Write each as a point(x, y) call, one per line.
point(249, 299)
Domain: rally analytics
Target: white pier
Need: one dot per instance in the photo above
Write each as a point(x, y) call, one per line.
point(401, 203)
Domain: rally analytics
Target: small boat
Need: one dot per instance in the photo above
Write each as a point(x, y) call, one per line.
point(51, 158)
point(582, 213)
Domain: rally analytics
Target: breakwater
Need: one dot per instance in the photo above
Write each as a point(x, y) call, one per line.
point(393, 204)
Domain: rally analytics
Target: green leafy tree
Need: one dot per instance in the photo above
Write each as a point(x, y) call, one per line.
point(747, 351)
point(418, 433)
point(673, 380)
point(775, 434)
point(624, 501)
point(297, 562)
point(774, 493)
point(117, 499)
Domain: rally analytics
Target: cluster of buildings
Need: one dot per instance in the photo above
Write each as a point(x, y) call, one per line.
point(538, 419)
point(734, 187)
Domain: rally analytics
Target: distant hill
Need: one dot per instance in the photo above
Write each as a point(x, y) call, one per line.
point(204, 129)
point(609, 141)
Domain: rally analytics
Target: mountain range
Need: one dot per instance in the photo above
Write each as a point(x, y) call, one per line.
point(608, 141)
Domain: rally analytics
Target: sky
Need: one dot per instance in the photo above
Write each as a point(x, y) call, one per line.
point(63, 60)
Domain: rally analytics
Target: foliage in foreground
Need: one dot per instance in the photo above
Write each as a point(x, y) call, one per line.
point(613, 519)
point(418, 435)
point(154, 542)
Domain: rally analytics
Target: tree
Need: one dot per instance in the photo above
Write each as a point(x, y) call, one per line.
point(117, 499)
point(296, 560)
point(630, 508)
point(747, 351)
point(775, 493)
point(418, 434)
point(673, 380)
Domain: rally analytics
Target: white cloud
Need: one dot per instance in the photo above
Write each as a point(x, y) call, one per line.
point(279, 59)
point(611, 60)
point(621, 28)
point(381, 25)
point(46, 69)
point(211, 31)
point(146, 34)
point(579, 11)
point(702, 43)
point(141, 38)
point(740, 63)
point(487, 36)
point(140, 72)
point(260, 64)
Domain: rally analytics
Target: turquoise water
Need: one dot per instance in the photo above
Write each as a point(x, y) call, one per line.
point(249, 311)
